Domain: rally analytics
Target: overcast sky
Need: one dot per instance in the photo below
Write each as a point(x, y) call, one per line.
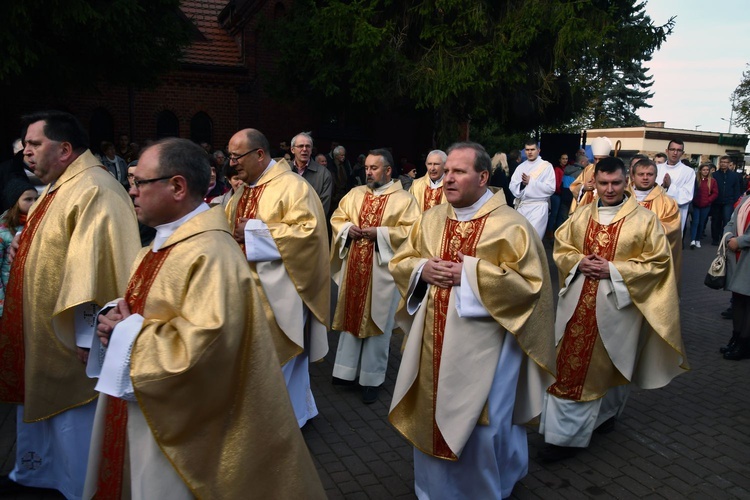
point(700, 64)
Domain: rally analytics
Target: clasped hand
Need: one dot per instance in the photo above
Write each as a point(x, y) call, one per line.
point(594, 267)
point(443, 273)
point(368, 233)
point(108, 322)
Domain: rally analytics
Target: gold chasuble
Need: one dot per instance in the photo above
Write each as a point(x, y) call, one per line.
point(395, 209)
point(205, 373)
point(577, 185)
point(505, 262)
point(426, 196)
point(668, 212)
point(635, 244)
point(292, 210)
point(79, 244)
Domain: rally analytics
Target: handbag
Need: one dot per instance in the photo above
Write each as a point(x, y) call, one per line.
point(716, 277)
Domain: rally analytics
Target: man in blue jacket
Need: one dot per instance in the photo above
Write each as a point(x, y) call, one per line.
point(730, 188)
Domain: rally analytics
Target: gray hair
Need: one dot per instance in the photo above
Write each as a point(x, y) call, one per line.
point(302, 134)
point(440, 153)
point(339, 149)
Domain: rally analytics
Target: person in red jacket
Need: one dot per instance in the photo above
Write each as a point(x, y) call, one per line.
point(706, 191)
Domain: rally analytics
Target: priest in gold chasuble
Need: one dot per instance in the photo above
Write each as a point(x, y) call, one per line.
point(652, 196)
point(194, 402)
point(479, 353)
point(73, 257)
point(617, 316)
point(278, 220)
point(428, 189)
point(368, 226)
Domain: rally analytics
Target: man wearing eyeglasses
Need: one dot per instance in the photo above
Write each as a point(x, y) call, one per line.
point(677, 179)
point(278, 220)
point(73, 256)
point(317, 175)
point(189, 360)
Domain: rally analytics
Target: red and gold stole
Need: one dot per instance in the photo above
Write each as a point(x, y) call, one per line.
point(247, 207)
point(457, 237)
point(581, 332)
point(359, 265)
point(11, 326)
point(646, 204)
point(114, 442)
point(432, 196)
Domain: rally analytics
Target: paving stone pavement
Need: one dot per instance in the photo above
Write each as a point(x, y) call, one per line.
point(687, 440)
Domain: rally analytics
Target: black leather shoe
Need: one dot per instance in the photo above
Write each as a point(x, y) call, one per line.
point(730, 344)
point(607, 426)
point(740, 350)
point(341, 381)
point(727, 314)
point(552, 453)
point(369, 394)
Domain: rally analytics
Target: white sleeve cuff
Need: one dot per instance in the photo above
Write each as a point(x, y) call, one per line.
point(115, 375)
point(385, 251)
point(259, 244)
point(468, 304)
point(412, 301)
point(622, 296)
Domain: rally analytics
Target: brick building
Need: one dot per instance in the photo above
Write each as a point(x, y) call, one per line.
point(221, 87)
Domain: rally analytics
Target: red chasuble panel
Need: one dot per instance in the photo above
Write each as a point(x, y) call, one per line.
point(111, 468)
point(581, 332)
point(458, 237)
point(432, 197)
point(359, 265)
point(12, 354)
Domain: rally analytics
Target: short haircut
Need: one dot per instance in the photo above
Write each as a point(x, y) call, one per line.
point(530, 142)
point(340, 149)
point(438, 152)
point(660, 155)
point(256, 139)
point(676, 141)
point(645, 162)
point(580, 155)
point(319, 155)
point(482, 161)
point(610, 164)
point(725, 157)
point(218, 153)
point(187, 159)
point(384, 153)
point(105, 145)
point(639, 157)
point(60, 126)
point(302, 134)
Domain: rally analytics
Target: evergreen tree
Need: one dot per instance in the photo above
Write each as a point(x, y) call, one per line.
point(520, 63)
point(741, 102)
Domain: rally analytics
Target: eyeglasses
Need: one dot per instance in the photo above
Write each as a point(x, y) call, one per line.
point(303, 146)
point(236, 157)
point(140, 182)
point(673, 150)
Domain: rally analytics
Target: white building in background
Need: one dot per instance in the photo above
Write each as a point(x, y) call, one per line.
point(653, 138)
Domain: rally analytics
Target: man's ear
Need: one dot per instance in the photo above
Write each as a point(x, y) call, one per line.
point(179, 187)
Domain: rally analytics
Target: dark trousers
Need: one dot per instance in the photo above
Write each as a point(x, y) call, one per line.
point(720, 215)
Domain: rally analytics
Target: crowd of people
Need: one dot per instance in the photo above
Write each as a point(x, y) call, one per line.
point(163, 339)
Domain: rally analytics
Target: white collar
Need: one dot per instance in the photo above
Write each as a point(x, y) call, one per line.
point(164, 231)
point(466, 213)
